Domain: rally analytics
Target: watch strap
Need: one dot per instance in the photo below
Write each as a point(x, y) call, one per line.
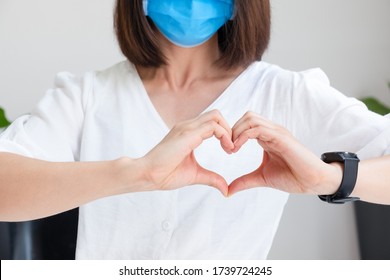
point(350, 163)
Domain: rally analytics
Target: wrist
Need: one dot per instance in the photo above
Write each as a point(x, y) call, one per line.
point(332, 178)
point(350, 163)
point(132, 175)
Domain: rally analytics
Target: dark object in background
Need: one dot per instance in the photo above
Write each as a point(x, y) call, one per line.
point(373, 222)
point(52, 238)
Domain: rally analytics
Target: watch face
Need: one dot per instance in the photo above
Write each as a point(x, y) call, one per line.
point(347, 155)
point(338, 157)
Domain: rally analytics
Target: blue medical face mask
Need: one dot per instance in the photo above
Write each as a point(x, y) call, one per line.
point(189, 23)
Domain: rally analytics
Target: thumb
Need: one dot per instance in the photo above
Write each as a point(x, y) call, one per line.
point(248, 181)
point(207, 177)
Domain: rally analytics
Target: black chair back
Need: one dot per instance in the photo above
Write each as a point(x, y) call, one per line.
point(52, 238)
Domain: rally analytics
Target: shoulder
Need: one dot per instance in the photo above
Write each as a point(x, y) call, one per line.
point(266, 74)
point(94, 85)
point(294, 89)
point(87, 88)
point(287, 90)
point(312, 86)
point(119, 71)
point(116, 80)
point(115, 72)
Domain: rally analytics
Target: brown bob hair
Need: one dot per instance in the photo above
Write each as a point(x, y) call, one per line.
point(241, 41)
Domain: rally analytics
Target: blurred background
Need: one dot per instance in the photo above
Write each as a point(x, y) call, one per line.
point(348, 39)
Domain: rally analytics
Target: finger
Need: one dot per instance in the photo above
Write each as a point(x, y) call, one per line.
point(242, 124)
point(248, 181)
point(264, 135)
point(209, 178)
point(189, 136)
point(211, 128)
point(207, 125)
point(244, 137)
point(218, 118)
point(248, 121)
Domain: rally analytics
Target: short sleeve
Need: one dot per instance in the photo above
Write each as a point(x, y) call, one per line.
point(378, 146)
point(53, 129)
point(326, 120)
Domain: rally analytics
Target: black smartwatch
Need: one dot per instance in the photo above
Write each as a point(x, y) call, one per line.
point(350, 163)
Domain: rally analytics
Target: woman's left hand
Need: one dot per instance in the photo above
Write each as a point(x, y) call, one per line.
point(287, 165)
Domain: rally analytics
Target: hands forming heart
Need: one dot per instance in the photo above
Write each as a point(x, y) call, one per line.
point(287, 165)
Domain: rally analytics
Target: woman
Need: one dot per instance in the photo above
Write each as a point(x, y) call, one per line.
point(106, 140)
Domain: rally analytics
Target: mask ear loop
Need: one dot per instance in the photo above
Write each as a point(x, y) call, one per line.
point(145, 5)
point(233, 15)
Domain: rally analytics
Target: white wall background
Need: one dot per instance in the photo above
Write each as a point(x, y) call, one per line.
point(348, 39)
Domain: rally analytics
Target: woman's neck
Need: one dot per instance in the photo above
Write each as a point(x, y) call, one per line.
point(189, 82)
point(185, 65)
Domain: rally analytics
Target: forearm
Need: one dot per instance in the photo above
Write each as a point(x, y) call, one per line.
point(31, 189)
point(373, 183)
point(373, 180)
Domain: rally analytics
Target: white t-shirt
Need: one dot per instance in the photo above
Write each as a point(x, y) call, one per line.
point(108, 114)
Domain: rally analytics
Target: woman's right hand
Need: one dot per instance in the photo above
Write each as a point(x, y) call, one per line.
point(47, 188)
point(172, 164)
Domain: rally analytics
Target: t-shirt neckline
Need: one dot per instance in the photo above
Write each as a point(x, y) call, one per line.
point(157, 116)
